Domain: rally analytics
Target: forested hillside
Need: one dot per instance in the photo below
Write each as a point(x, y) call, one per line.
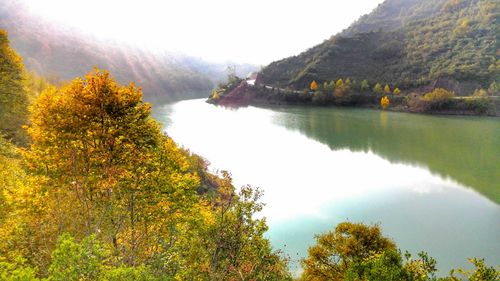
point(406, 44)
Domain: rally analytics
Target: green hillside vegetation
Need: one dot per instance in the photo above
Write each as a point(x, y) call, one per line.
point(407, 44)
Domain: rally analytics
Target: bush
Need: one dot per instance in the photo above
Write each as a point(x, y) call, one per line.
point(479, 105)
point(437, 98)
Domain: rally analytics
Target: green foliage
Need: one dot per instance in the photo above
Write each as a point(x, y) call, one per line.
point(385, 266)
point(365, 86)
point(17, 271)
point(335, 251)
point(494, 89)
point(356, 252)
point(377, 89)
point(124, 273)
point(320, 98)
point(74, 261)
point(389, 265)
point(13, 92)
point(480, 273)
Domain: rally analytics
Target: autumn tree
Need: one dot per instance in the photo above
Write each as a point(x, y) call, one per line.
point(336, 250)
point(215, 96)
point(384, 102)
point(313, 86)
point(339, 84)
point(348, 83)
point(387, 89)
point(377, 89)
point(109, 169)
point(437, 98)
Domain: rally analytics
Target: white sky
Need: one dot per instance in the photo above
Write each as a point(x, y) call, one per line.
point(258, 31)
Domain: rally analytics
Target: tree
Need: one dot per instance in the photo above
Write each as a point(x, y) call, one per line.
point(339, 84)
point(387, 89)
point(348, 83)
point(385, 266)
point(397, 91)
point(13, 92)
point(313, 86)
point(335, 251)
point(331, 85)
point(384, 102)
point(494, 89)
point(480, 93)
point(97, 147)
point(437, 98)
point(480, 273)
point(364, 85)
point(378, 89)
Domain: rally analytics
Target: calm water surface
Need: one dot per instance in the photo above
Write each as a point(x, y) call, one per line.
point(433, 183)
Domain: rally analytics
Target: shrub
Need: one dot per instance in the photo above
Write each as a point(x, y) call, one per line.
point(437, 98)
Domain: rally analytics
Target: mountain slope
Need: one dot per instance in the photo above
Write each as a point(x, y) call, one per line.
point(62, 52)
point(405, 43)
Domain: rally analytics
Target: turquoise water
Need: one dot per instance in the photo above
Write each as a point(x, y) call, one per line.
point(432, 183)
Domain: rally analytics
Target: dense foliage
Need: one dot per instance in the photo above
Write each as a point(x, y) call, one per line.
point(102, 194)
point(452, 44)
point(357, 252)
point(13, 91)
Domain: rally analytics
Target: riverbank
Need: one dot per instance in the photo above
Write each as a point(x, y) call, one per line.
point(248, 94)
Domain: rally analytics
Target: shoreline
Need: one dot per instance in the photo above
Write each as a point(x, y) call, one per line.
point(247, 95)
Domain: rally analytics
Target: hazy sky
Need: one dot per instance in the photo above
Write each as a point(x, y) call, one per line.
point(257, 31)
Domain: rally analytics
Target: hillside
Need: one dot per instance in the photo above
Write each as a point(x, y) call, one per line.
point(407, 44)
point(62, 53)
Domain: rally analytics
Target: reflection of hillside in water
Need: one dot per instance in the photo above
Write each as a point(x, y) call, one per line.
point(465, 149)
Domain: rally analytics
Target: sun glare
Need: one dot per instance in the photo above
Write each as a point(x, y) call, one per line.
point(220, 30)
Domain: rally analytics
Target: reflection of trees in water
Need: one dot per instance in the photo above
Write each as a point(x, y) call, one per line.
point(464, 149)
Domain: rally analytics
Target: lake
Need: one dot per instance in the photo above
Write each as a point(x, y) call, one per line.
point(431, 182)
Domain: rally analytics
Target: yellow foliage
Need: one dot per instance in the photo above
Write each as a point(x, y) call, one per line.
point(397, 91)
point(438, 95)
point(313, 86)
point(377, 89)
point(102, 152)
point(215, 96)
point(384, 102)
